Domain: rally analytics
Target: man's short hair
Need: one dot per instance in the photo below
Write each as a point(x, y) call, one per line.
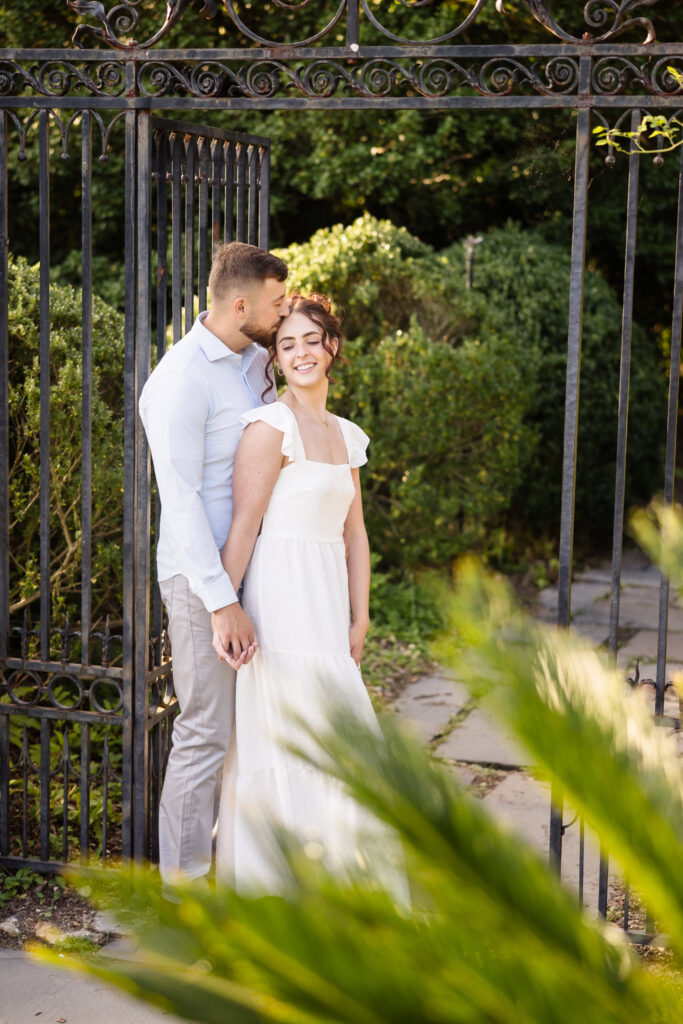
point(237, 265)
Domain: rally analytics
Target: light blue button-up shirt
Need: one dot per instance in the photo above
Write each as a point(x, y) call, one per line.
point(190, 408)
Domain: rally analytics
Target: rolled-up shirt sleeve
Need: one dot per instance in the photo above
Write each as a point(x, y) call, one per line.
point(174, 413)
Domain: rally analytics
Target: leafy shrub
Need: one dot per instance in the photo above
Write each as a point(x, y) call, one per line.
point(384, 278)
point(447, 434)
point(523, 283)
point(65, 445)
point(367, 268)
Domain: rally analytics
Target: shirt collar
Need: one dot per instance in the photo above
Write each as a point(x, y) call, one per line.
point(213, 348)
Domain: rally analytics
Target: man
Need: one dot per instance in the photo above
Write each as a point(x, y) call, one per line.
point(190, 408)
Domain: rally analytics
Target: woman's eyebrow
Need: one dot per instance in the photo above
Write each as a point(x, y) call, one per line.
point(308, 334)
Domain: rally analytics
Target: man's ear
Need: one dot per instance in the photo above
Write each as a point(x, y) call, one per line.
point(239, 306)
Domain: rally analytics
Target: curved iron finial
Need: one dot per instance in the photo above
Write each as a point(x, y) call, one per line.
point(118, 24)
point(122, 20)
point(597, 14)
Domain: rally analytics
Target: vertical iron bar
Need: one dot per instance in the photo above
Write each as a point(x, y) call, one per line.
point(624, 381)
point(176, 233)
point(85, 792)
point(143, 348)
point(162, 243)
point(352, 23)
point(44, 249)
point(4, 397)
point(603, 879)
point(45, 788)
point(5, 769)
point(671, 427)
point(216, 179)
point(129, 433)
point(66, 757)
point(203, 236)
point(162, 316)
point(622, 436)
point(105, 795)
point(241, 216)
point(25, 761)
point(264, 198)
point(190, 153)
point(86, 383)
point(571, 420)
point(253, 195)
point(229, 153)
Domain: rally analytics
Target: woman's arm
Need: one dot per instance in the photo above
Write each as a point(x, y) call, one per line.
point(257, 465)
point(358, 550)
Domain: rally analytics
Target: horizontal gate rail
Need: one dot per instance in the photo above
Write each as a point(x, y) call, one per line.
point(447, 77)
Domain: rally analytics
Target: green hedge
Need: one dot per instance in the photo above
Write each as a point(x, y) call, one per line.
point(522, 283)
point(447, 441)
point(65, 446)
point(382, 277)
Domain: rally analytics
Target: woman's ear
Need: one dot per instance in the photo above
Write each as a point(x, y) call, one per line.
point(334, 345)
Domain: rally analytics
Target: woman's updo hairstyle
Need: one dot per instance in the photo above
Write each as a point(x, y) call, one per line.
point(317, 308)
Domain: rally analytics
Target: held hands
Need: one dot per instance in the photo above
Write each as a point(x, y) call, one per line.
point(357, 635)
point(233, 635)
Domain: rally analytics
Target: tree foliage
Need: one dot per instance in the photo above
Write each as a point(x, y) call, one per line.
point(524, 284)
point(416, 392)
point(448, 438)
point(65, 452)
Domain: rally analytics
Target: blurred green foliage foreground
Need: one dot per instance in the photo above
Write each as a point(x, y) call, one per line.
point(492, 936)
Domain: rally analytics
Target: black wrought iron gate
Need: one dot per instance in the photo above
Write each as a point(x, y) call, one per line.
point(85, 699)
point(90, 713)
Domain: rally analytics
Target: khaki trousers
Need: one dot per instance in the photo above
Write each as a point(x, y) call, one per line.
point(205, 688)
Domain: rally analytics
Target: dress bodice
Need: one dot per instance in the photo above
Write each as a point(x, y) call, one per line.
point(310, 500)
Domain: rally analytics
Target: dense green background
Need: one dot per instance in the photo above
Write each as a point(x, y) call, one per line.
point(504, 175)
point(442, 175)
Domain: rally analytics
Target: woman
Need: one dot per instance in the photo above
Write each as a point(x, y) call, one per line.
point(296, 480)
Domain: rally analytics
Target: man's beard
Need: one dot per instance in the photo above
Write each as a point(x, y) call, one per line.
point(262, 336)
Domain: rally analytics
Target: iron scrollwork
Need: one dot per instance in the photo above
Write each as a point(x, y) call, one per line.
point(597, 14)
point(431, 78)
point(611, 18)
point(123, 19)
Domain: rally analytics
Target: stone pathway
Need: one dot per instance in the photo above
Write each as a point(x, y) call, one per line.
point(477, 750)
point(490, 761)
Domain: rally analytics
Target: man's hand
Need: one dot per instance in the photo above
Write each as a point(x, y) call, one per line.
point(233, 635)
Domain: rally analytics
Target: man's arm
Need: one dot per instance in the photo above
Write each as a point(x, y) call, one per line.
point(174, 412)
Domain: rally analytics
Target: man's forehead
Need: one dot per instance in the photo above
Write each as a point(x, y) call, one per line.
point(275, 288)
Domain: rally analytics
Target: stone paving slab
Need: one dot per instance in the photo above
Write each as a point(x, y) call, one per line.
point(480, 740)
point(594, 632)
point(522, 803)
point(428, 704)
point(644, 646)
point(584, 595)
point(36, 991)
point(645, 576)
point(464, 775)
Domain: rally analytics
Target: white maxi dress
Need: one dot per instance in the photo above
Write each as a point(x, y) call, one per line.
point(297, 596)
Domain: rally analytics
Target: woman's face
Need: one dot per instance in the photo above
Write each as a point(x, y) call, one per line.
point(299, 351)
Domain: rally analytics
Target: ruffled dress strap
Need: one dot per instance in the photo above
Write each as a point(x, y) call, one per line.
point(281, 417)
point(356, 441)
